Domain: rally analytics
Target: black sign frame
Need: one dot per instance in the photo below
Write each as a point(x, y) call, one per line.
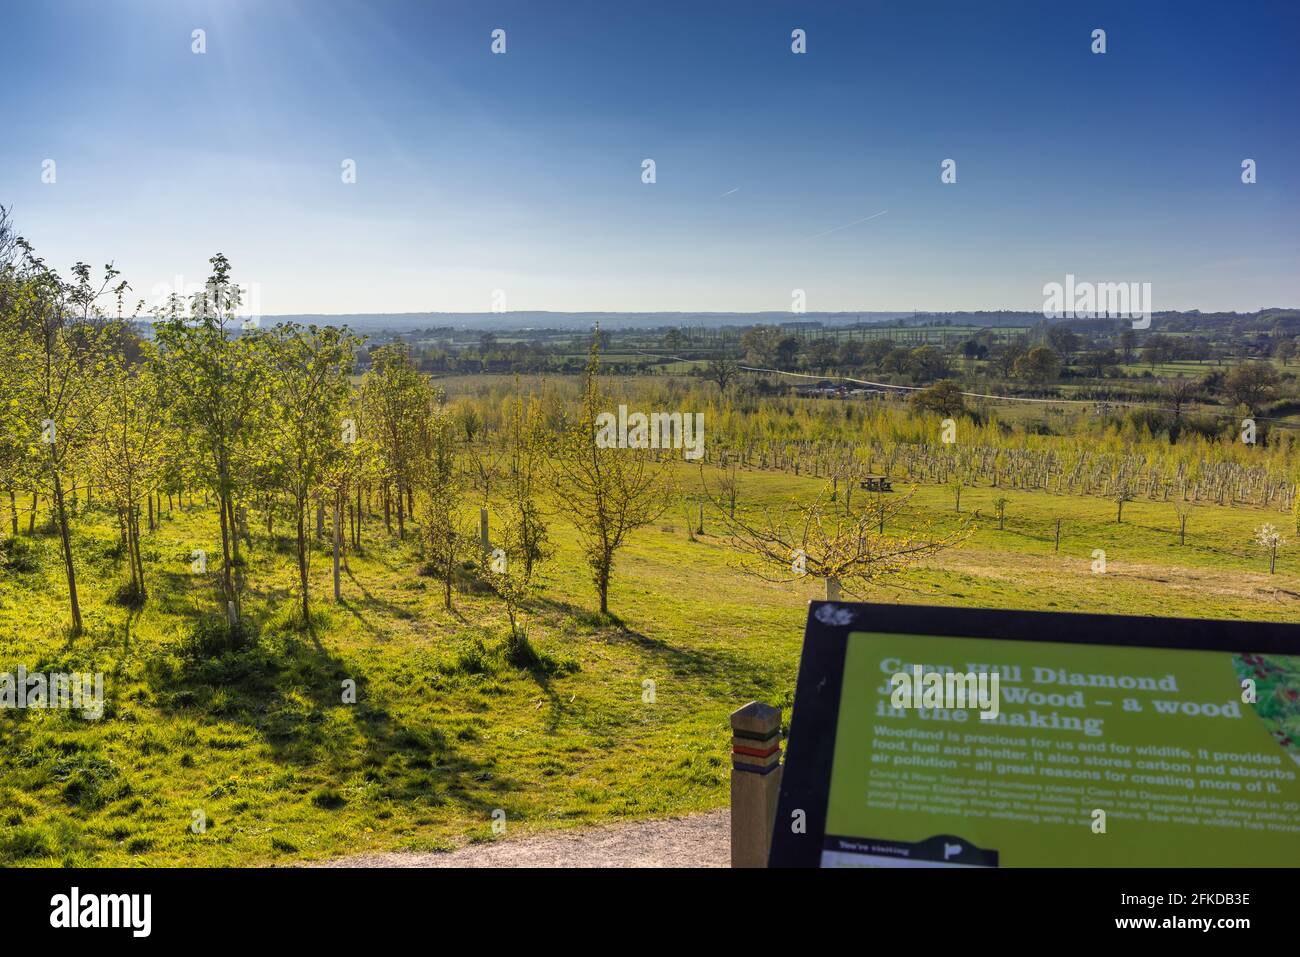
point(810, 745)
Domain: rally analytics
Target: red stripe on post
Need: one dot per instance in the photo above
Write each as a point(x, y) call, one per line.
point(755, 752)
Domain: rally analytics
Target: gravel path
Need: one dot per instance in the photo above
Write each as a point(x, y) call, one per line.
point(701, 840)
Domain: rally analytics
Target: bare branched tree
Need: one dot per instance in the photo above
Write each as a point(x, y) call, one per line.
point(847, 552)
point(607, 493)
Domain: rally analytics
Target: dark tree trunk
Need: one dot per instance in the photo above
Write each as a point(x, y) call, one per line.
point(64, 534)
point(401, 512)
point(302, 559)
point(227, 579)
point(338, 543)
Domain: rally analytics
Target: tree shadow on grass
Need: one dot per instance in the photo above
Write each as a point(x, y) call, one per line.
point(290, 699)
point(555, 704)
point(711, 664)
point(175, 593)
point(373, 601)
point(584, 616)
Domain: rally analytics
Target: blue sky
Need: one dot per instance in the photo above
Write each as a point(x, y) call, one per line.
point(522, 171)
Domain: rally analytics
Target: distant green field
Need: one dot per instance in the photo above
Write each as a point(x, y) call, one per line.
point(1194, 367)
point(444, 732)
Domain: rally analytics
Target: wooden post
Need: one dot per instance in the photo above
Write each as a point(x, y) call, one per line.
point(755, 781)
point(485, 546)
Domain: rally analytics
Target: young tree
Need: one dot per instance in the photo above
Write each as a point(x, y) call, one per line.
point(395, 400)
point(729, 487)
point(1122, 493)
point(847, 552)
point(362, 467)
point(509, 574)
point(215, 390)
point(308, 377)
point(14, 461)
point(528, 452)
point(524, 540)
point(1001, 505)
point(1183, 511)
point(131, 454)
point(445, 537)
point(63, 340)
point(607, 493)
point(1270, 539)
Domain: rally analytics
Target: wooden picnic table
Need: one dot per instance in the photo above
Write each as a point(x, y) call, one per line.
point(876, 483)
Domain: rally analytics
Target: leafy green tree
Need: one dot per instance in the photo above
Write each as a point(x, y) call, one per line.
point(759, 344)
point(529, 450)
point(63, 338)
point(1064, 340)
point(1128, 344)
point(1157, 349)
point(131, 454)
point(607, 493)
point(446, 537)
point(787, 348)
point(14, 462)
point(943, 398)
point(1039, 365)
point(215, 390)
point(1005, 357)
point(524, 541)
point(927, 363)
point(308, 378)
point(822, 354)
point(1000, 504)
point(1250, 383)
point(395, 402)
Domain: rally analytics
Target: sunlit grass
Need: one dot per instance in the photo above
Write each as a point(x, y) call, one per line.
point(445, 730)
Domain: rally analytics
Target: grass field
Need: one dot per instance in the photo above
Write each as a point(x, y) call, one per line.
point(444, 731)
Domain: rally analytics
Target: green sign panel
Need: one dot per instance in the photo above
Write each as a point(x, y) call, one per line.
point(962, 750)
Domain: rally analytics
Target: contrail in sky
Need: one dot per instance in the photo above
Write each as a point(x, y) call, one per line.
point(836, 229)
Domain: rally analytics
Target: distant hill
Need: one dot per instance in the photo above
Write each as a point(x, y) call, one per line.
point(403, 322)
